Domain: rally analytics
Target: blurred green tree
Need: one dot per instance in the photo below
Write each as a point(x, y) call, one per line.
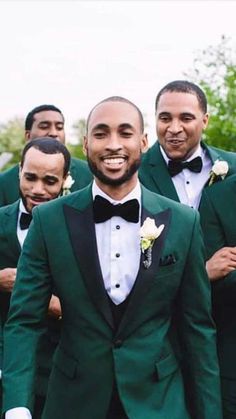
point(214, 69)
point(12, 139)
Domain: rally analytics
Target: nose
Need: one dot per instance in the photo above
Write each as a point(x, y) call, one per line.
point(114, 143)
point(52, 132)
point(38, 188)
point(175, 126)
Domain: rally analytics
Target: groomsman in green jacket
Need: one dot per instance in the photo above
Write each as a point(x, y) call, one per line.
point(178, 165)
point(43, 121)
point(125, 262)
point(43, 172)
point(218, 209)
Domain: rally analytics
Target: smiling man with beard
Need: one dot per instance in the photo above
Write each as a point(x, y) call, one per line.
point(44, 167)
point(114, 359)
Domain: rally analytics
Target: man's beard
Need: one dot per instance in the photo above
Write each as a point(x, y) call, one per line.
point(25, 201)
point(114, 182)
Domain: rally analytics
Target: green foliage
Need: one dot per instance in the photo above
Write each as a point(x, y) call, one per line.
point(215, 71)
point(12, 139)
point(79, 128)
point(76, 151)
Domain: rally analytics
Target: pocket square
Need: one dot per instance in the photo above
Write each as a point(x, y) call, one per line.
point(167, 260)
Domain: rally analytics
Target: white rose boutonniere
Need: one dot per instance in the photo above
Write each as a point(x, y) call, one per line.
point(149, 232)
point(68, 182)
point(219, 168)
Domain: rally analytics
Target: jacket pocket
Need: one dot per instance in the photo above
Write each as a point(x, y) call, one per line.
point(166, 366)
point(65, 364)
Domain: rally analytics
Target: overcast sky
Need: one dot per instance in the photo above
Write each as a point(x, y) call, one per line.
point(76, 53)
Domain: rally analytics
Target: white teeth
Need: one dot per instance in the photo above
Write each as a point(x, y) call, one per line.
point(116, 160)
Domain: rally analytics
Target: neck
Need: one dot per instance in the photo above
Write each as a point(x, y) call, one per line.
point(118, 192)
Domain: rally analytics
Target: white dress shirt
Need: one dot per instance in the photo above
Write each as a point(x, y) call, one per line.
point(118, 243)
point(21, 234)
point(189, 185)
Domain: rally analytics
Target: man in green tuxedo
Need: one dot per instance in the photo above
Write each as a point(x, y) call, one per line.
point(43, 121)
point(178, 165)
point(44, 167)
point(218, 208)
point(115, 358)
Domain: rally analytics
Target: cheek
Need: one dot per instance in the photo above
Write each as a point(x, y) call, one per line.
point(54, 191)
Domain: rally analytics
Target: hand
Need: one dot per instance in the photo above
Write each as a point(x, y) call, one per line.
point(221, 263)
point(7, 279)
point(54, 309)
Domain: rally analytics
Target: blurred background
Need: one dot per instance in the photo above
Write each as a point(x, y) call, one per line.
point(75, 53)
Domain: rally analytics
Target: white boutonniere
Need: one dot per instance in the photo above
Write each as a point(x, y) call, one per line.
point(219, 168)
point(68, 182)
point(149, 232)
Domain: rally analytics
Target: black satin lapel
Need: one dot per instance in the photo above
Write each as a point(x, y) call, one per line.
point(83, 239)
point(145, 276)
point(162, 178)
point(10, 229)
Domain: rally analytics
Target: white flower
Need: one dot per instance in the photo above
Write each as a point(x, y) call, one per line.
point(219, 168)
point(149, 232)
point(68, 182)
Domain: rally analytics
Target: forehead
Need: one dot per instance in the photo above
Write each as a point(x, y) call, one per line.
point(114, 114)
point(50, 116)
point(181, 102)
point(42, 164)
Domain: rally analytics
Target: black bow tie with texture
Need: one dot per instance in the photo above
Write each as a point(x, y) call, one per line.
point(103, 210)
point(25, 220)
point(176, 166)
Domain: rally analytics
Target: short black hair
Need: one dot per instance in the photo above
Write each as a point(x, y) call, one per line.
point(118, 99)
point(29, 120)
point(48, 145)
point(184, 86)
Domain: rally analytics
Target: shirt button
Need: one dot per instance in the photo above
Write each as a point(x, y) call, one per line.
point(117, 227)
point(117, 255)
point(118, 343)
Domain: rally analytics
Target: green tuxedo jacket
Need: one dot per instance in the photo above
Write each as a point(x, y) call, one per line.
point(218, 210)
point(154, 175)
point(9, 254)
point(60, 252)
point(9, 180)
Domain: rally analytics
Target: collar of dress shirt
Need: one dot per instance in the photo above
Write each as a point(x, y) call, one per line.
point(134, 194)
point(22, 209)
point(199, 152)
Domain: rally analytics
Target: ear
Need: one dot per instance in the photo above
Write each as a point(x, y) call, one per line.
point(85, 145)
point(144, 143)
point(205, 120)
point(27, 135)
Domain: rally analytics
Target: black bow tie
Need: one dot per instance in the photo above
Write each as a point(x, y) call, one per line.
point(25, 220)
point(176, 166)
point(103, 210)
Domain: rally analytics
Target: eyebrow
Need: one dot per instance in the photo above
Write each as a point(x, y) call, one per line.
point(105, 127)
point(47, 121)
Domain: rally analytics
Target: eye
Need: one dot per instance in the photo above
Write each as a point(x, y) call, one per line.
point(187, 118)
point(30, 178)
point(60, 127)
point(164, 118)
point(126, 134)
point(99, 135)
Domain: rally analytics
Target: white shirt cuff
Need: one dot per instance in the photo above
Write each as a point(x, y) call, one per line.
point(18, 413)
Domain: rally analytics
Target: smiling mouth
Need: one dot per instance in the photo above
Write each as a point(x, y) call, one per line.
point(114, 161)
point(37, 200)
